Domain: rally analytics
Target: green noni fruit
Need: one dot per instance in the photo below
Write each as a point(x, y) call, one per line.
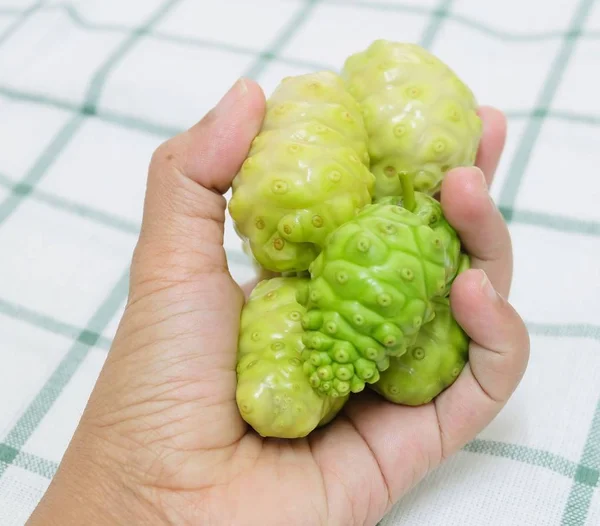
point(273, 394)
point(307, 172)
point(431, 212)
point(371, 290)
point(420, 116)
point(431, 365)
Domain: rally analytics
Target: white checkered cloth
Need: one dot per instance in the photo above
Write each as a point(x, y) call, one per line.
point(88, 89)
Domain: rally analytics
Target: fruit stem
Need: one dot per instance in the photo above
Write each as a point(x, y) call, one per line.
point(408, 192)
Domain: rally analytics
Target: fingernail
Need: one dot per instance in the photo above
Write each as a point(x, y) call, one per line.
point(482, 177)
point(485, 186)
point(231, 98)
point(487, 288)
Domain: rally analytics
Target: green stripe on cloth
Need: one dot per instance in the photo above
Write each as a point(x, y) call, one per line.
point(545, 113)
point(522, 156)
point(526, 217)
point(239, 50)
point(12, 202)
point(435, 22)
point(47, 323)
point(124, 121)
point(164, 130)
point(99, 80)
point(78, 19)
point(98, 216)
point(51, 153)
point(551, 221)
point(35, 98)
point(465, 21)
point(10, 11)
point(36, 411)
point(283, 37)
point(581, 491)
point(66, 205)
point(511, 36)
point(565, 330)
point(39, 168)
point(39, 407)
point(382, 6)
point(22, 18)
point(580, 496)
point(527, 455)
point(32, 463)
point(7, 454)
point(579, 499)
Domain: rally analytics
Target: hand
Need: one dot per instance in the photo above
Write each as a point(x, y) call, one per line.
point(161, 440)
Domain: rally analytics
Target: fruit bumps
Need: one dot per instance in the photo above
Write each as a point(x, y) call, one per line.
point(431, 365)
point(273, 394)
point(420, 117)
point(371, 290)
point(307, 172)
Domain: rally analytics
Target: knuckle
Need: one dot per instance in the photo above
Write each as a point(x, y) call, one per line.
point(169, 153)
point(173, 152)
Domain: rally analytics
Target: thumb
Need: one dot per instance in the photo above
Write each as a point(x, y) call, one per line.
point(173, 357)
point(181, 236)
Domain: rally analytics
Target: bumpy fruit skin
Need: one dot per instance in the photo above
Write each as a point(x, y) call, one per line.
point(431, 365)
point(371, 290)
point(420, 116)
point(307, 172)
point(260, 272)
point(273, 394)
point(430, 211)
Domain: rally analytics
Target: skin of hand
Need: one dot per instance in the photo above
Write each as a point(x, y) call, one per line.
point(161, 440)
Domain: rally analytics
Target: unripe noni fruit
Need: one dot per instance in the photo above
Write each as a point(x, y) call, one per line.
point(371, 291)
point(307, 172)
point(273, 394)
point(431, 365)
point(421, 118)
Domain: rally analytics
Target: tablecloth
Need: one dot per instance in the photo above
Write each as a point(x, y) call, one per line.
point(88, 89)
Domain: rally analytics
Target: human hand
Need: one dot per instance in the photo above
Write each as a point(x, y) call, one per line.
point(161, 440)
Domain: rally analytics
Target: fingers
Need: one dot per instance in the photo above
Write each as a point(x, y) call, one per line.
point(184, 211)
point(404, 441)
point(492, 141)
point(498, 357)
point(484, 234)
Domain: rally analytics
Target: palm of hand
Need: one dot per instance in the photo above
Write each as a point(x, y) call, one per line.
point(195, 456)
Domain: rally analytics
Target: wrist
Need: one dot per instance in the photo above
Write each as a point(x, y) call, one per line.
point(90, 488)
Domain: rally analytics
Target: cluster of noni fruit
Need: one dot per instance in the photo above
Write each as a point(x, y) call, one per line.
point(335, 203)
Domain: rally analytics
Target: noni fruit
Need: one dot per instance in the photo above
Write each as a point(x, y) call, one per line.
point(371, 290)
point(421, 118)
point(431, 365)
point(431, 212)
point(273, 394)
point(307, 172)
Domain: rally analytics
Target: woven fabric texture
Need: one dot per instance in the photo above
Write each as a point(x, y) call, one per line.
point(88, 89)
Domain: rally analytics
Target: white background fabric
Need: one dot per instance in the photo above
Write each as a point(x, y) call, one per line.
point(83, 103)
